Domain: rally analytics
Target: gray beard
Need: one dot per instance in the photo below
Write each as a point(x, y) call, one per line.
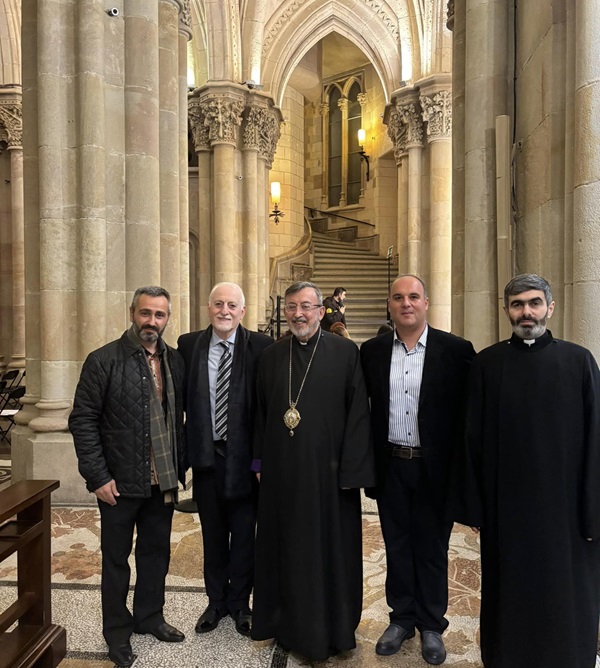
point(530, 332)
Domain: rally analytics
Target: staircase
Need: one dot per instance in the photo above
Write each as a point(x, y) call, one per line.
point(364, 274)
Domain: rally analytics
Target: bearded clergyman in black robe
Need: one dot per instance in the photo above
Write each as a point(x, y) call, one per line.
point(314, 453)
point(530, 479)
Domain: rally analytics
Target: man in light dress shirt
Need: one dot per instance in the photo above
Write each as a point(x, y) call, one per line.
point(416, 378)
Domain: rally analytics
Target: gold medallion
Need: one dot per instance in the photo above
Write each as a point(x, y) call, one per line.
point(291, 418)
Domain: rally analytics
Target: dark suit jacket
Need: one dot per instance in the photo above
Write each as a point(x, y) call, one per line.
point(442, 400)
point(201, 452)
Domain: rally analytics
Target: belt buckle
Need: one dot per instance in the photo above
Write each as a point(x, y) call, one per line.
point(409, 452)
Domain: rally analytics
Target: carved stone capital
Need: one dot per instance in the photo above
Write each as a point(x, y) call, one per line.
point(362, 99)
point(410, 115)
point(398, 132)
point(200, 131)
point(324, 109)
point(269, 131)
point(222, 115)
point(343, 103)
point(11, 122)
point(437, 112)
point(450, 15)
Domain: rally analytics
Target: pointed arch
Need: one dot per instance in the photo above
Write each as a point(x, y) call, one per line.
point(288, 37)
point(10, 42)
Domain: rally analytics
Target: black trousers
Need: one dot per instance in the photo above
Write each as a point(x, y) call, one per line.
point(228, 530)
point(152, 519)
point(416, 536)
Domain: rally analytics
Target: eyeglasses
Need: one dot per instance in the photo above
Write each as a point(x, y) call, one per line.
point(305, 307)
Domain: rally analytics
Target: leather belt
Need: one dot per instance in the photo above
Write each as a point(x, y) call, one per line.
point(404, 451)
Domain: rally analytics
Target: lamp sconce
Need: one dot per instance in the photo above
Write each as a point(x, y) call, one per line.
point(362, 135)
point(276, 214)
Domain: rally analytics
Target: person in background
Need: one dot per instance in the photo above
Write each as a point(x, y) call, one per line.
point(335, 309)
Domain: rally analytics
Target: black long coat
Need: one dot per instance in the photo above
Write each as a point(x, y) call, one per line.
point(308, 583)
point(530, 478)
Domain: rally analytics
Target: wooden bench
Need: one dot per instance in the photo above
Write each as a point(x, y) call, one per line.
point(25, 529)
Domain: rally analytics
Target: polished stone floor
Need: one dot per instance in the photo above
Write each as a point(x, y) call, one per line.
point(76, 603)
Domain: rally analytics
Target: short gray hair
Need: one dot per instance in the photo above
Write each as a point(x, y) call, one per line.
point(525, 282)
point(151, 291)
point(301, 285)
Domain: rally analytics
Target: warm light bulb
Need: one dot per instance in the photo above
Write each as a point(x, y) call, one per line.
point(362, 135)
point(275, 192)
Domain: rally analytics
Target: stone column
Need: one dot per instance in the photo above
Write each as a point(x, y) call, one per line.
point(411, 116)
point(398, 132)
point(169, 157)
point(222, 108)
point(586, 192)
point(142, 145)
point(11, 121)
point(205, 279)
point(250, 222)
point(185, 35)
point(436, 103)
point(343, 105)
point(324, 111)
point(268, 139)
point(486, 96)
point(457, 23)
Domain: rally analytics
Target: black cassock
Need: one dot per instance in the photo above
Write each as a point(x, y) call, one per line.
point(308, 583)
point(530, 478)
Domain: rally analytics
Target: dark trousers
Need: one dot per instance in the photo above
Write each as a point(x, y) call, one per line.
point(152, 519)
point(416, 537)
point(228, 529)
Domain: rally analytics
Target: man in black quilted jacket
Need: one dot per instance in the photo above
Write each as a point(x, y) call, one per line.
point(127, 425)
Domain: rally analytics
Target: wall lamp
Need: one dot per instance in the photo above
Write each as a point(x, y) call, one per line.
point(362, 135)
point(276, 214)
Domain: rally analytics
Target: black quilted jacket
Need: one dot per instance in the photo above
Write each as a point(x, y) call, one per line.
point(110, 421)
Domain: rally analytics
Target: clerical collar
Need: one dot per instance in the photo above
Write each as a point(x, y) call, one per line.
point(313, 339)
point(531, 344)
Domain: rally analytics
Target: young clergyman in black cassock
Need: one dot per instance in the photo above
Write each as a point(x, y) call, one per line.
point(313, 450)
point(530, 479)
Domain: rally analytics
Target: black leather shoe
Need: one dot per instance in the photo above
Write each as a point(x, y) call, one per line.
point(392, 639)
point(432, 648)
point(209, 619)
point(121, 655)
point(243, 621)
point(167, 633)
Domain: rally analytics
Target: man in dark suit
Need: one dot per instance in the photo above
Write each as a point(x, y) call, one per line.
point(416, 378)
point(220, 377)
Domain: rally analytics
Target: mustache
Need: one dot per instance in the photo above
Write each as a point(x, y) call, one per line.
point(151, 327)
point(524, 318)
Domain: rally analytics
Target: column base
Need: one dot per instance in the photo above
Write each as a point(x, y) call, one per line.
point(49, 456)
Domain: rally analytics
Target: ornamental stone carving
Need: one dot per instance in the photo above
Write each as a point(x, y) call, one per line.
point(450, 15)
point(398, 132)
point(186, 14)
point(437, 112)
point(414, 124)
point(343, 103)
point(362, 99)
point(269, 134)
point(200, 131)
point(11, 122)
point(222, 115)
point(324, 108)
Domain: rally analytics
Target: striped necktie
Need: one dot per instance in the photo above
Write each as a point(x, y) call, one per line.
point(222, 390)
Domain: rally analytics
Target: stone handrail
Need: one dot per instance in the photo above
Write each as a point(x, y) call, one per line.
point(296, 264)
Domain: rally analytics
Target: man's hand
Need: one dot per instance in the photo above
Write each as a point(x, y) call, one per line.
point(342, 310)
point(258, 476)
point(108, 493)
